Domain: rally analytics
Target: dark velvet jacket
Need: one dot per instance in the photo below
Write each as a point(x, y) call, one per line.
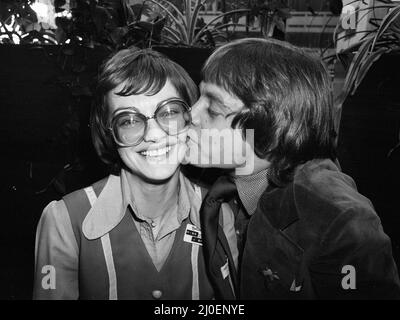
point(317, 238)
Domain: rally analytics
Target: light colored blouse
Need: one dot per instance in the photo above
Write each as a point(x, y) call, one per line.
point(56, 244)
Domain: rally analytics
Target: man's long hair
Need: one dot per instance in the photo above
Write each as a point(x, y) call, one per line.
point(287, 100)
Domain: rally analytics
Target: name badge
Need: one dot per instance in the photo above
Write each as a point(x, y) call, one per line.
point(225, 269)
point(192, 234)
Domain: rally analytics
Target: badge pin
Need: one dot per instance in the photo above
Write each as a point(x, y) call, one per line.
point(295, 288)
point(271, 275)
point(192, 235)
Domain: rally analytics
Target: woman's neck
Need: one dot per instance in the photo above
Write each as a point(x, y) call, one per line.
point(154, 200)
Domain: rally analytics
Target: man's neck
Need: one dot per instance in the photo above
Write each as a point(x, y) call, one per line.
point(249, 169)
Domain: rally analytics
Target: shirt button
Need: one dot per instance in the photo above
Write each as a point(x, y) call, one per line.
point(157, 294)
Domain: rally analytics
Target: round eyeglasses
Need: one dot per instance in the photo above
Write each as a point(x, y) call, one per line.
point(129, 127)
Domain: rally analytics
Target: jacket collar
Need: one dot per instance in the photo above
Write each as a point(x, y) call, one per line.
point(280, 214)
point(279, 203)
point(111, 204)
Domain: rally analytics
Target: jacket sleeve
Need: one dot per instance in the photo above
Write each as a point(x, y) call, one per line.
point(355, 259)
point(56, 255)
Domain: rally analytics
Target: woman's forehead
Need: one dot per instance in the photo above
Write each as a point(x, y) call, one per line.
point(144, 102)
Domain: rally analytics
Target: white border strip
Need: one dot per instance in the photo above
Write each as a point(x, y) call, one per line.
point(195, 272)
point(105, 242)
point(112, 277)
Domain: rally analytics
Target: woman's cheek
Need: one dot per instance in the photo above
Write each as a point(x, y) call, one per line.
point(182, 146)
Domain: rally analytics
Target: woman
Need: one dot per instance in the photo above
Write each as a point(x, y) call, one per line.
point(134, 234)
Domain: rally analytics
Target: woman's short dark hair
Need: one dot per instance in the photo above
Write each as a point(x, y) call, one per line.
point(287, 100)
point(142, 71)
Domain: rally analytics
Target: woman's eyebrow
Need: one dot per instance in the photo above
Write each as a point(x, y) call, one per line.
point(125, 108)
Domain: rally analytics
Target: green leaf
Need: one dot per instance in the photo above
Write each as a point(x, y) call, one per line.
point(215, 19)
point(354, 67)
point(171, 39)
point(193, 22)
point(188, 10)
point(227, 25)
point(386, 22)
point(182, 26)
point(366, 65)
point(172, 33)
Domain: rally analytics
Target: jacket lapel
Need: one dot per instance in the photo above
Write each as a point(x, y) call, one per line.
point(281, 266)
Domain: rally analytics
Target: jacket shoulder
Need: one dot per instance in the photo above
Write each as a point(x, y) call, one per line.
point(322, 193)
point(79, 196)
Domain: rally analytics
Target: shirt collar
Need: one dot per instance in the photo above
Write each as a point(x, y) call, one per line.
point(250, 188)
point(110, 207)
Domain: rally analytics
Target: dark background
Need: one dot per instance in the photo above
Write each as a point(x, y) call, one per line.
point(45, 141)
point(369, 132)
point(46, 149)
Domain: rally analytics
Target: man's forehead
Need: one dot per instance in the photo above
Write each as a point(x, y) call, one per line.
point(219, 94)
point(208, 87)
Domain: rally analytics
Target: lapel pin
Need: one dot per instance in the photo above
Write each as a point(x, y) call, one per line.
point(271, 275)
point(295, 288)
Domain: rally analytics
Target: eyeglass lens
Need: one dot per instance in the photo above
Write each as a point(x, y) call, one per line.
point(129, 127)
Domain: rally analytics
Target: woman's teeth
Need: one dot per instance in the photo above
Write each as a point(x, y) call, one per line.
point(157, 152)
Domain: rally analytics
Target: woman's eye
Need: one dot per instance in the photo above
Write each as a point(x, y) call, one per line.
point(128, 123)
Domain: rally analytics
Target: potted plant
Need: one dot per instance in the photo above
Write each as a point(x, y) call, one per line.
point(187, 28)
point(272, 15)
point(385, 39)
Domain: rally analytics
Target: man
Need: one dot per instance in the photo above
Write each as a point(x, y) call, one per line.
point(310, 234)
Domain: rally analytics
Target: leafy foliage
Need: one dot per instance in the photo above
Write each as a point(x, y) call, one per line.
point(187, 28)
point(19, 24)
point(384, 40)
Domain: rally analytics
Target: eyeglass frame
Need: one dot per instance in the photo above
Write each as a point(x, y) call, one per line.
point(158, 107)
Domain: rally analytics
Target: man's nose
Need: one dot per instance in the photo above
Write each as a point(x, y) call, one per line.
point(196, 111)
point(154, 132)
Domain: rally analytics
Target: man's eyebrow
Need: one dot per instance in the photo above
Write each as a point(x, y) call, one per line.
point(212, 96)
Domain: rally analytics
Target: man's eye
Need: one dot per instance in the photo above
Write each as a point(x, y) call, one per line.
point(212, 113)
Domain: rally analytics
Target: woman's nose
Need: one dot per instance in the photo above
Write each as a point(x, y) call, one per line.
point(154, 132)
